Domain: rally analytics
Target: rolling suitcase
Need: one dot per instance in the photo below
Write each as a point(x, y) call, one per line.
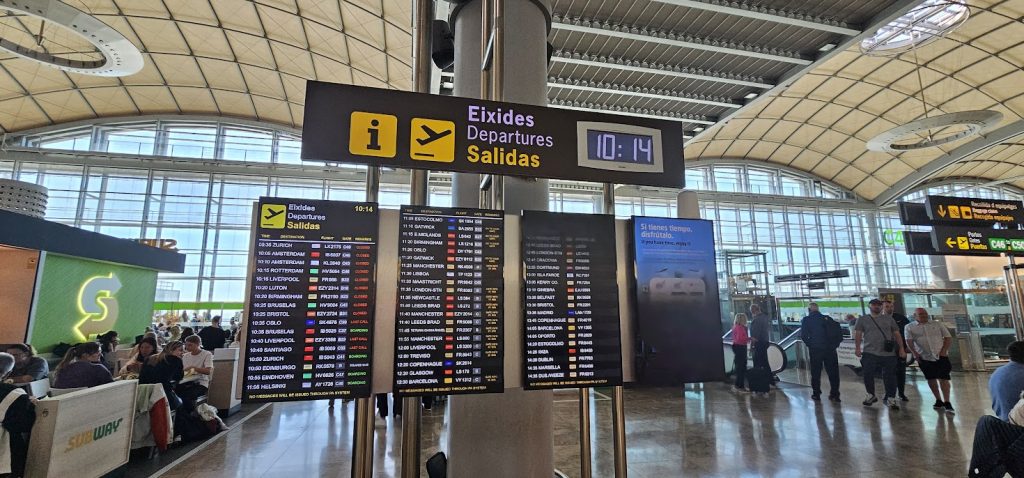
point(759, 380)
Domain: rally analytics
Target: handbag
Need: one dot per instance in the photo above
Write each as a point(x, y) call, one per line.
point(889, 345)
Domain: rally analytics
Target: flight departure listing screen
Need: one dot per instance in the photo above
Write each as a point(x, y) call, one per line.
point(448, 336)
point(570, 301)
point(311, 300)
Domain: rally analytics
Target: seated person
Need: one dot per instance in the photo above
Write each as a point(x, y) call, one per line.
point(166, 369)
point(108, 346)
point(81, 367)
point(140, 353)
point(1007, 381)
point(27, 366)
point(196, 361)
point(17, 415)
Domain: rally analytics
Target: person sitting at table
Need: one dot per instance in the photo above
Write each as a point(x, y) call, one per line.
point(166, 369)
point(108, 346)
point(140, 353)
point(27, 366)
point(175, 333)
point(81, 368)
point(17, 415)
point(198, 363)
point(186, 333)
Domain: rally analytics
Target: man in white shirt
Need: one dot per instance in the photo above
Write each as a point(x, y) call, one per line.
point(930, 342)
point(198, 361)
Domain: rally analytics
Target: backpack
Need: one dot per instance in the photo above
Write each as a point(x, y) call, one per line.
point(833, 333)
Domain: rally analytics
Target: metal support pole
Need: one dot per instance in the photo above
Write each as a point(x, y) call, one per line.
point(422, 20)
point(619, 432)
point(1014, 293)
point(618, 407)
point(584, 433)
point(608, 198)
point(362, 440)
point(485, 52)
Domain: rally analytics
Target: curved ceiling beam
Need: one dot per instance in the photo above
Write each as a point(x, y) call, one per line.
point(907, 184)
point(784, 17)
point(896, 10)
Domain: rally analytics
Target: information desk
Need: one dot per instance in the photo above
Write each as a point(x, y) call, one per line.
point(570, 301)
point(448, 336)
point(311, 302)
point(83, 433)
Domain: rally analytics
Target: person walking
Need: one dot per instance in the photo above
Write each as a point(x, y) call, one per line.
point(760, 335)
point(1007, 382)
point(929, 341)
point(740, 340)
point(822, 336)
point(878, 343)
point(901, 365)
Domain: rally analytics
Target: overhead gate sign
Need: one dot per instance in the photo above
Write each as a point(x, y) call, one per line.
point(354, 124)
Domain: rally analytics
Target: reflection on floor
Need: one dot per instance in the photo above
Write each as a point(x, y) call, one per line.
point(705, 430)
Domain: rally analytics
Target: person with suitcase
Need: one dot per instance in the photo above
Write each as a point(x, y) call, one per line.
point(740, 339)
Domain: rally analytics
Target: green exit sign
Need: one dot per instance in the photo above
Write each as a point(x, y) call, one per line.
point(1006, 245)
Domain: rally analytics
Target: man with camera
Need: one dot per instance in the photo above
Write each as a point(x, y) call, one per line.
point(878, 343)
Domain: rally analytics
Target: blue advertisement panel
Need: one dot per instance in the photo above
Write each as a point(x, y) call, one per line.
point(677, 307)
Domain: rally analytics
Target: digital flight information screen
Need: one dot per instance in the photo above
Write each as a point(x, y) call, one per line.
point(448, 326)
point(311, 300)
point(620, 147)
point(571, 333)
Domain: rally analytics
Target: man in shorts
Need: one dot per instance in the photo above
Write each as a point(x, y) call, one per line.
point(930, 341)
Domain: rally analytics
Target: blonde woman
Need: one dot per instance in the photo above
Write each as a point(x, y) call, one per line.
point(740, 340)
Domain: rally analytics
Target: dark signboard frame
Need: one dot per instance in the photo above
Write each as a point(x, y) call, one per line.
point(336, 223)
point(488, 365)
point(397, 129)
point(696, 355)
point(972, 212)
point(836, 274)
point(975, 241)
point(603, 232)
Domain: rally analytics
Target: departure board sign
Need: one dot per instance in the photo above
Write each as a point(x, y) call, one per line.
point(570, 301)
point(311, 300)
point(397, 129)
point(448, 328)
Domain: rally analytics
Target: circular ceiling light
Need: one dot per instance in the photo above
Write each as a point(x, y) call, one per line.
point(61, 36)
point(923, 24)
point(935, 131)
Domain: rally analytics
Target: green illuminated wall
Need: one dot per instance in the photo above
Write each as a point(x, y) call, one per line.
point(62, 293)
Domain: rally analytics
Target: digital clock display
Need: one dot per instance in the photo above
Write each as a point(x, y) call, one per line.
point(620, 147)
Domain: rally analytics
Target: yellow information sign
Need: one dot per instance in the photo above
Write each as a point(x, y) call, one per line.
point(373, 134)
point(272, 216)
point(432, 140)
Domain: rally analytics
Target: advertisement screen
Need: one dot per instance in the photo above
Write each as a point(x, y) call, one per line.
point(677, 305)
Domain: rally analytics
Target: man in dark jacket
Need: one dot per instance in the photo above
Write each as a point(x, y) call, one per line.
point(901, 365)
point(760, 335)
point(822, 350)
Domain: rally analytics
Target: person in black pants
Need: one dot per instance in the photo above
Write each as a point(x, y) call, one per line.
point(760, 335)
point(901, 365)
point(814, 331)
point(879, 344)
point(740, 339)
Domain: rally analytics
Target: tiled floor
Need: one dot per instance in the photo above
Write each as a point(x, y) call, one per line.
point(704, 430)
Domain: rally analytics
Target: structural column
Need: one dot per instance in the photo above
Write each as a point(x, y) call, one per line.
point(509, 434)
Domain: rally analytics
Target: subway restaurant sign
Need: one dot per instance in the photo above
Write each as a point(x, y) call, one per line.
point(396, 129)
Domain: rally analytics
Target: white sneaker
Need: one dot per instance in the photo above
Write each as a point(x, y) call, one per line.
point(892, 403)
point(740, 390)
point(870, 400)
point(380, 422)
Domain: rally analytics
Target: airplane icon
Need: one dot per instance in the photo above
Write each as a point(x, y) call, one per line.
point(431, 135)
point(272, 213)
point(438, 145)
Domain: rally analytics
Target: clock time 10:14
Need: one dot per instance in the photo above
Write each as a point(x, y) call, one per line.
point(620, 147)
